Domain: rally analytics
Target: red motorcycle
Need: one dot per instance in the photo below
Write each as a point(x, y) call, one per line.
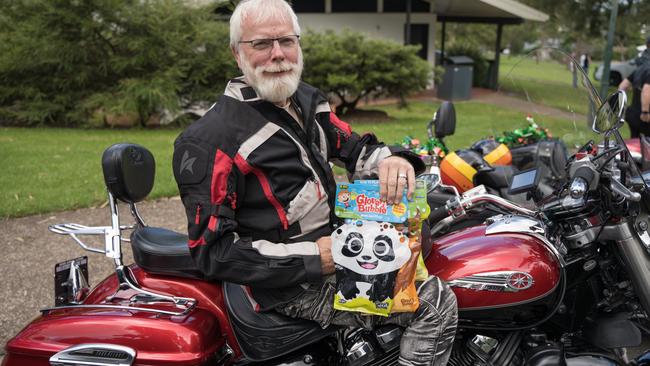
point(562, 284)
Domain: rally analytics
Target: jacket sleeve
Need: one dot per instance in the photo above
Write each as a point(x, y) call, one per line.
point(211, 191)
point(360, 155)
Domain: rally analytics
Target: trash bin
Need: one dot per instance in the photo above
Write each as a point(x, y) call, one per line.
point(457, 79)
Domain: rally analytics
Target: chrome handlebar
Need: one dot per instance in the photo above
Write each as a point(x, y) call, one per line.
point(457, 208)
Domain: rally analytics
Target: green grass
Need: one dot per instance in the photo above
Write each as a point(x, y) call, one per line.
point(47, 169)
point(528, 68)
point(474, 121)
point(547, 82)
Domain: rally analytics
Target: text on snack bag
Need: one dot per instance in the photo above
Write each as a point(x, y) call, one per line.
point(370, 204)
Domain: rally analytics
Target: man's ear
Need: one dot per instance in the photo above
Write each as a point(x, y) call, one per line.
point(235, 54)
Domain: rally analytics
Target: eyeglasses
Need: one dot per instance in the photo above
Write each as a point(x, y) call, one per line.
point(266, 44)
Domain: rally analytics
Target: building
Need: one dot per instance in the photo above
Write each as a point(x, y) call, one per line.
point(413, 21)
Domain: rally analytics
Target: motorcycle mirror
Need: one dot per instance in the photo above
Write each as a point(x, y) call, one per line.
point(431, 179)
point(445, 120)
point(609, 116)
point(430, 125)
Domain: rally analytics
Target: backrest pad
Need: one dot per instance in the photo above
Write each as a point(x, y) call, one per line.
point(129, 171)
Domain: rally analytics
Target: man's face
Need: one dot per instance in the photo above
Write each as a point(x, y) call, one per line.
point(274, 72)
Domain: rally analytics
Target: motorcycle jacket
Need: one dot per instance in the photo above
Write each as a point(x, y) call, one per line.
point(258, 187)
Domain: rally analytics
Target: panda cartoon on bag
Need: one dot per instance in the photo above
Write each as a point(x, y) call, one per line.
point(368, 255)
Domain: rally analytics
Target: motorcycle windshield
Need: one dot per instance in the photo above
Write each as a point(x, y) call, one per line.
point(554, 91)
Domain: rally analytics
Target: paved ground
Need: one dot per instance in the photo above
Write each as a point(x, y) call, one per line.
point(489, 96)
point(30, 252)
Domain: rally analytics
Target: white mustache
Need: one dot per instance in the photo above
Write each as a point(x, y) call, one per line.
point(278, 67)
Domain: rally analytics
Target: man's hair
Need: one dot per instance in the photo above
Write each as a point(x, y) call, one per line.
point(259, 11)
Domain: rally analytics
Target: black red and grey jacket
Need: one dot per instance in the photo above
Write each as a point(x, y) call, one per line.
point(259, 191)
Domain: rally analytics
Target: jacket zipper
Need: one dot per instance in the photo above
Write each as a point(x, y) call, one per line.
point(318, 188)
point(197, 219)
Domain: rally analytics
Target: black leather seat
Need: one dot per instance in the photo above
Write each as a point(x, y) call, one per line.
point(162, 251)
point(262, 336)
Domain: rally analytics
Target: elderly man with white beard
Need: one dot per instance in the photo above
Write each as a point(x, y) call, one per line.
point(255, 178)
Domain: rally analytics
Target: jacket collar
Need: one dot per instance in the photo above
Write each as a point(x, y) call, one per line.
point(239, 90)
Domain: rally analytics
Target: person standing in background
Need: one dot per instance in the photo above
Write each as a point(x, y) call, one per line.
point(638, 113)
point(585, 60)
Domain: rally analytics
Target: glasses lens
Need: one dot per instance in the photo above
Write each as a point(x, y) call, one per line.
point(262, 44)
point(288, 41)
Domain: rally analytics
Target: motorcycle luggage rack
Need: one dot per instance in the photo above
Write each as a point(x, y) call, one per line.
point(113, 249)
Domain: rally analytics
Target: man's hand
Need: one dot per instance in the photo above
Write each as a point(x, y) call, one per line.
point(326, 261)
point(645, 117)
point(395, 173)
point(645, 102)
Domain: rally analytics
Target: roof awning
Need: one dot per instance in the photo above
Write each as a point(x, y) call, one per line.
point(486, 11)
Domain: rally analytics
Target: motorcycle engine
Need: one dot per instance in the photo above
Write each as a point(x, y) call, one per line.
point(377, 347)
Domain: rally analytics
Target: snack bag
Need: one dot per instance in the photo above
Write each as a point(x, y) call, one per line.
point(371, 255)
point(360, 200)
point(405, 293)
point(368, 255)
point(419, 210)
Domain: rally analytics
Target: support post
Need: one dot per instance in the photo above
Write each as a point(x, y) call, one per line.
point(442, 43)
point(607, 59)
point(494, 73)
point(407, 33)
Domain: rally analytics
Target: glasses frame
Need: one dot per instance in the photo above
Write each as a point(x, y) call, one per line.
point(273, 40)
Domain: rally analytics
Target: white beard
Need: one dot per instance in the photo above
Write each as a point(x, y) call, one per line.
point(275, 89)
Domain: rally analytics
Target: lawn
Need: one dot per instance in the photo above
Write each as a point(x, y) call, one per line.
point(46, 170)
point(474, 121)
point(545, 82)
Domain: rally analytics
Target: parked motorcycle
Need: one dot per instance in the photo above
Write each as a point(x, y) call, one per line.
point(595, 255)
point(562, 284)
point(489, 162)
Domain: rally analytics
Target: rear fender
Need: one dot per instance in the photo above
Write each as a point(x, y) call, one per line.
point(191, 339)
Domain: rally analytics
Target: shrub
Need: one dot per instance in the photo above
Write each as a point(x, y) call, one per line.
point(73, 63)
point(351, 66)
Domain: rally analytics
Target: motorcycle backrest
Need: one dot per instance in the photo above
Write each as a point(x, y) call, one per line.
point(445, 120)
point(129, 171)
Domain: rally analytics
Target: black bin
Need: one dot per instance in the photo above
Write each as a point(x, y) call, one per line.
point(457, 79)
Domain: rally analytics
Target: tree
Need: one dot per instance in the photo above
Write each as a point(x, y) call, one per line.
point(62, 61)
point(352, 67)
point(582, 24)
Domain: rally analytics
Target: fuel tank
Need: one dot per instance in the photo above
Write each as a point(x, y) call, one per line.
point(198, 337)
point(505, 273)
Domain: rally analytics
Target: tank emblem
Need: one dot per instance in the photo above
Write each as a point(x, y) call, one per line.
point(520, 281)
point(502, 281)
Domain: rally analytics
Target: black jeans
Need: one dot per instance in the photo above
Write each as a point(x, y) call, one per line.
point(430, 330)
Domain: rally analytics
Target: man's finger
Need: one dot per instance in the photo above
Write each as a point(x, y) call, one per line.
point(402, 181)
point(411, 179)
point(383, 181)
point(392, 184)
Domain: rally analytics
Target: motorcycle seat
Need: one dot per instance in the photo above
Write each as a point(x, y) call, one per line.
point(164, 252)
point(266, 335)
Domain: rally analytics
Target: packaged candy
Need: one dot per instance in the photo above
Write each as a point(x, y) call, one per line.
point(378, 251)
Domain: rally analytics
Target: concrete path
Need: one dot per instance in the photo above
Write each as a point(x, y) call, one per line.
point(489, 96)
point(504, 100)
point(30, 252)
